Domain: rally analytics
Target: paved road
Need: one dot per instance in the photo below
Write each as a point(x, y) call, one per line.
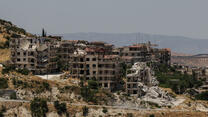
point(101, 106)
point(9, 100)
point(130, 108)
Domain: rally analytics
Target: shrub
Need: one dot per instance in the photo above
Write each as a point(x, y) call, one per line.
point(3, 83)
point(38, 107)
point(105, 110)
point(46, 86)
point(92, 84)
point(124, 69)
point(202, 96)
point(1, 114)
point(23, 71)
point(3, 109)
point(88, 94)
point(129, 115)
point(6, 44)
point(14, 82)
point(61, 108)
point(15, 36)
point(10, 68)
point(13, 96)
point(7, 69)
point(85, 111)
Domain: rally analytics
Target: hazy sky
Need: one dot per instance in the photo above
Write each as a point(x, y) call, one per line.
point(170, 17)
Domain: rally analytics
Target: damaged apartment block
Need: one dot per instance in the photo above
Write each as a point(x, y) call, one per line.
point(35, 54)
point(96, 61)
point(85, 60)
point(145, 52)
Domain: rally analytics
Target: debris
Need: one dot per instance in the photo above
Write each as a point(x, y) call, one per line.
point(142, 83)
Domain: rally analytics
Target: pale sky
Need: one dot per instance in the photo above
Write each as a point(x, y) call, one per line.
point(169, 17)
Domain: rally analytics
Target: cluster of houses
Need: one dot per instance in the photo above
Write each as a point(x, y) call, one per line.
point(85, 60)
point(200, 73)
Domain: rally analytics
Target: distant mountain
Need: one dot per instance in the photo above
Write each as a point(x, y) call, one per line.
point(178, 44)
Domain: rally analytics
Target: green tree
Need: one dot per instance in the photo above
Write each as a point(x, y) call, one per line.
point(202, 96)
point(3, 83)
point(13, 96)
point(61, 108)
point(38, 107)
point(85, 111)
point(92, 84)
point(124, 69)
point(105, 110)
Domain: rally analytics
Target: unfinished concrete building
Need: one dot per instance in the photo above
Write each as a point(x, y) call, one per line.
point(65, 50)
point(145, 52)
point(85, 60)
point(96, 61)
point(137, 52)
point(35, 54)
point(161, 56)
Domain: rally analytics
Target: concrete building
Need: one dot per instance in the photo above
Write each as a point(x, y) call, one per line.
point(35, 54)
point(144, 52)
point(85, 60)
point(97, 62)
point(138, 52)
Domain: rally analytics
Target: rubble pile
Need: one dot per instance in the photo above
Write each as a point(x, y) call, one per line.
point(145, 85)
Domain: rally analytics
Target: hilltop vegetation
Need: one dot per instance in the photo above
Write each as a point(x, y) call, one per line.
point(168, 77)
point(8, 28)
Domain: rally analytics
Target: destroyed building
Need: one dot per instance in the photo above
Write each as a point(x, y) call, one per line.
point(85, 60)
point(139, 74)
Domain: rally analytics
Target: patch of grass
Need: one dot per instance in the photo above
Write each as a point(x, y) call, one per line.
point(5, 55)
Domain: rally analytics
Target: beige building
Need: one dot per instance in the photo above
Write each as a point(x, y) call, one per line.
point(96, 63)
point(85, 60)
point(144, 52)
point(35, 54)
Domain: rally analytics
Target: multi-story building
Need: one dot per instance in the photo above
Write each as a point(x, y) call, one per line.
point(138, 52)
point(35, 54)
point(161, 56)
point(94, 62)
point(85, 60)
point(144, 52)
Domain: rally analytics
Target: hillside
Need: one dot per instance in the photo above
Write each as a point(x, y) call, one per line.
point(177, 44)
point(24, 94)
